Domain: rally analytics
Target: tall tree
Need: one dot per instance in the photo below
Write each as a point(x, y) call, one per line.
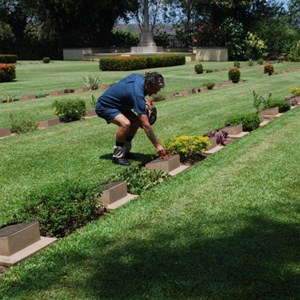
point(82, 22)
point(294, 13)
point(61, 23)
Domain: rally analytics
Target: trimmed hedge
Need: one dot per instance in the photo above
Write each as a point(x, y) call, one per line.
point(127, 63)
point(8, 58)
point(7, 72)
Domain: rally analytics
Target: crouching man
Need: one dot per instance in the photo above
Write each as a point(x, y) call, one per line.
point(124, 104)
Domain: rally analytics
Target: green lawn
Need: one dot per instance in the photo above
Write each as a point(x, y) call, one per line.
point(227, 228)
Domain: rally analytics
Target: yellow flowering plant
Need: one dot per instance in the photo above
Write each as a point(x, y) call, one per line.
point(189, 148)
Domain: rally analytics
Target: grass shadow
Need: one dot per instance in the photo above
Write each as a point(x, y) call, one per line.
point(259, 261)
point(135, 156)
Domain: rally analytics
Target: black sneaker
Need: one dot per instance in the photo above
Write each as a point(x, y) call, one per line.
point(120, 161)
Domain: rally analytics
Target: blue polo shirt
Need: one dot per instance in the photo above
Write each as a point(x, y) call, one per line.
point(125, 95)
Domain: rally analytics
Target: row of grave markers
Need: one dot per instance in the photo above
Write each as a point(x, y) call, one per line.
point(115, 194)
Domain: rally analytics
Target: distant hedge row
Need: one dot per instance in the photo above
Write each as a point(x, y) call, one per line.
point(127, 63)
point(8, 58)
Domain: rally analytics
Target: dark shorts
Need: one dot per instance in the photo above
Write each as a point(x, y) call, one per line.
point(108, 113)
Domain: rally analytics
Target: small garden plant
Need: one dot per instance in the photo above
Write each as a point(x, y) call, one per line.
point(234, 74)
point(46, 60)
point(220, 136)
point(92, 82)
point(210, 85)
point(260, 61)
point(283, 106)
point(7, 72)
point(295, 91)
point(9, 98)
point(61, 207)
point(250, 121)
point(294, 99)
point(260, 102)
point(250, 63)
point(139, 179)
point(69, 110)
point(22, 123)
point(268, 69)
point(199, 68)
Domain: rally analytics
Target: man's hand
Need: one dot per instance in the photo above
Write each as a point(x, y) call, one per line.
point(150, 103)
point(160, 150)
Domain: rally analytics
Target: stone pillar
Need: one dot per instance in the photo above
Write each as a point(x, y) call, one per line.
point(146, 43)
point(146, 38)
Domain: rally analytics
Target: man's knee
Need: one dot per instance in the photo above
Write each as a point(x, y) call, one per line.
point(122, 122)
point(126, 124)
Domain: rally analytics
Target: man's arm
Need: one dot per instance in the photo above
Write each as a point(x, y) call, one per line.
point(151, 135)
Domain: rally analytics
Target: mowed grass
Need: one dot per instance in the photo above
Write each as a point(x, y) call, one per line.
point(37, 78)
point(227, 228)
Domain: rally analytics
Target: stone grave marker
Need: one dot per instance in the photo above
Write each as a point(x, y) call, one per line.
point(19, 241)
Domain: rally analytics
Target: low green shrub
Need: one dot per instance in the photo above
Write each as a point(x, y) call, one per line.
point(22, 123)
point(127, 63)
point(283, 105)
point(249, 121)
point(61, 207)
point(7, 72)
point(190, 148)
point(268, 69)
point(234, 74)
point(260, 61)
point(69, 110)
point(250, 63)
point(139, 179)
point(8, 58)
point(209, 70)
point(198, 68)
point(46, 60)
point(210, 85)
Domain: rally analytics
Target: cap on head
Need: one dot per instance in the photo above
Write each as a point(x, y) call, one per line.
point(151, 78)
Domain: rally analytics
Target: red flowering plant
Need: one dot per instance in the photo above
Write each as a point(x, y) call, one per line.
point(7, 72)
